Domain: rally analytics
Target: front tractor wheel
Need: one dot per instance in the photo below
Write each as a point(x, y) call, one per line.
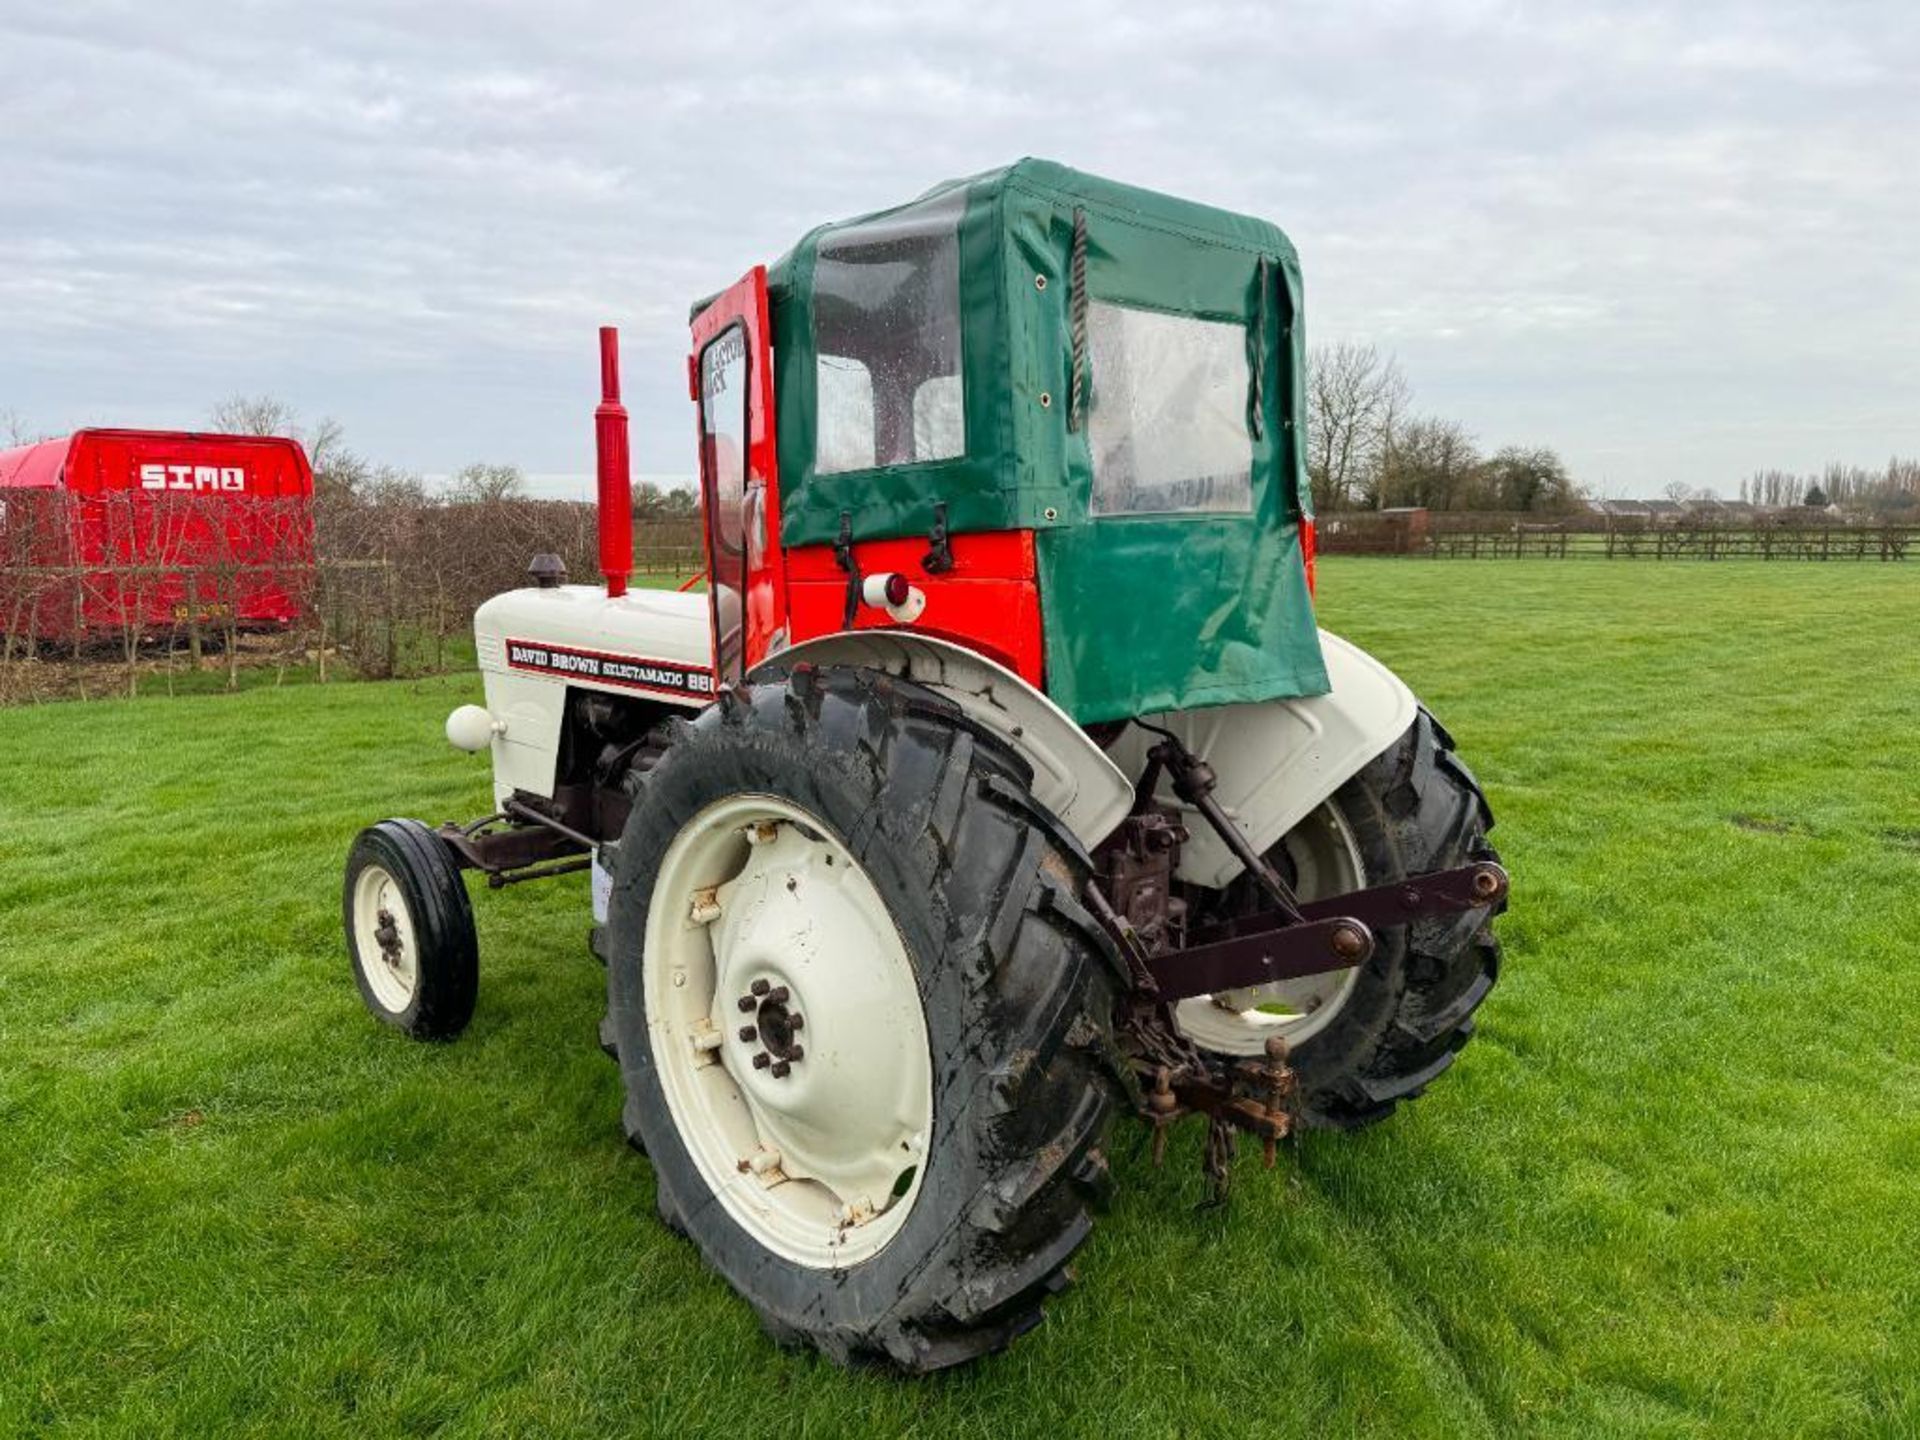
point(863, 1025)
point(409, 928)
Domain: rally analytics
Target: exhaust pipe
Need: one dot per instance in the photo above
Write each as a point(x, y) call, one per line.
point(610, 459)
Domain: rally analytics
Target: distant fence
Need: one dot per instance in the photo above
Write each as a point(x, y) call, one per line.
point(1446, 535)
point(383, 588)
point(668, 545)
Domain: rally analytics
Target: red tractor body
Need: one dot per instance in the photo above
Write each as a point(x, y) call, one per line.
point(982, 592)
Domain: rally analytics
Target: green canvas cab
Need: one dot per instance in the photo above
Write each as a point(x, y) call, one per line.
point(1115, 372)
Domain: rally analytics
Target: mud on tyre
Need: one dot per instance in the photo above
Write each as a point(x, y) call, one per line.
point(816, 784)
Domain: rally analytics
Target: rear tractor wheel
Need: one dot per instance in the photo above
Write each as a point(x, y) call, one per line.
point(864, 1027)
point(1363, 1040)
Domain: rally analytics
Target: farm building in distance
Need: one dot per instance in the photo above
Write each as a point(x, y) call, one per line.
point(111, 532)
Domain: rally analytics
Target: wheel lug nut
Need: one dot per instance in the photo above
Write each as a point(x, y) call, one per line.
point(796, 1021)
point(762, 1060)
point(781, 1069)
point(748, 1034)
point(748, 1004)
point(778, 996)
point(759, 987)
point(796, 1052)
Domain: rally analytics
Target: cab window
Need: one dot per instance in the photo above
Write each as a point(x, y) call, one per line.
point(1167, 424)
point(723, 483)
point(886, 317)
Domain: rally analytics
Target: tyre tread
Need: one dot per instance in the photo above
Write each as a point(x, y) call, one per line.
point(1041, 1076)
point(1437, 817)
point(449, 961)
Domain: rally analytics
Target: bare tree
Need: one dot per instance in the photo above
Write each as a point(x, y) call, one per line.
point(483, 484)
point(1855, 490)
point(253, 415)
point(336, 469)
point(1355, 396)
point(1434, 463)
point(1678, 491)
point(15, 431)
point(1777, 488)
point(387, 485)
point(326, 442)
point(651, 501)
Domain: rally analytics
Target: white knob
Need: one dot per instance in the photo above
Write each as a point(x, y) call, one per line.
point(472, 728)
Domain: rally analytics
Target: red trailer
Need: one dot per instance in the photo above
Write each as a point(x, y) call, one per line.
point(110, 530)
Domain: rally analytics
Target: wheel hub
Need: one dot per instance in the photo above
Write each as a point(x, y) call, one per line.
point(774, 1029)
point(387, 932)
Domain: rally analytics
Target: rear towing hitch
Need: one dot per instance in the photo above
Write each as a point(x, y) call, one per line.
point(1289, 940)
point(1330, 934)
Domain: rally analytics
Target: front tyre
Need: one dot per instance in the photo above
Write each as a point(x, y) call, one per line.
point(863, 1024)
point(1365, 1039)
point(409, 925)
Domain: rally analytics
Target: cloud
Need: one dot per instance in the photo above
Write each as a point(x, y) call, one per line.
point(1674, 243)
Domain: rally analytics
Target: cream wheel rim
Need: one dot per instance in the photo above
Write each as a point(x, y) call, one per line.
point(383, 937)
point(787, 1031)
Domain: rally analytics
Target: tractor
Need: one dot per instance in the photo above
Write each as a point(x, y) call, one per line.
point(998, 783)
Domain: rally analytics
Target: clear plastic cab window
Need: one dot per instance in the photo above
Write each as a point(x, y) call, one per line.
point(886, 321)
point(1167, 425)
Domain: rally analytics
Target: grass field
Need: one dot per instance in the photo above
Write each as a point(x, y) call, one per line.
point(1673, 1187)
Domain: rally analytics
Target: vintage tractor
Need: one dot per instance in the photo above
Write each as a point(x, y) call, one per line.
point(999, 781)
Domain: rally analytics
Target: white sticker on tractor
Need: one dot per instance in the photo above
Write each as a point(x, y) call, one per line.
point(632, 672)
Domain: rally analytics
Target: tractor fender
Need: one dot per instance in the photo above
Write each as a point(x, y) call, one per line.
point(1072, 776)
point(1277, 760)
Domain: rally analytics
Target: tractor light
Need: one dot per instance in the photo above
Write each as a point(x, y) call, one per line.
point(1308, 551)
point(472, 728)
point(892, 592)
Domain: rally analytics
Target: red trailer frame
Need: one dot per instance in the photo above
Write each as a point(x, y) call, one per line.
point(104, 531)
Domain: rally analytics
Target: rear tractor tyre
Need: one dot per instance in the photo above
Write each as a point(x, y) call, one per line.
point(1364, 1040)
point(409, 926)
point(864, 1026)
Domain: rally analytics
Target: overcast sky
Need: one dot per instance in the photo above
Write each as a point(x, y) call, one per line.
point(1675, 242)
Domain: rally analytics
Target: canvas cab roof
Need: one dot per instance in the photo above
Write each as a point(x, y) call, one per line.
point(982, 263)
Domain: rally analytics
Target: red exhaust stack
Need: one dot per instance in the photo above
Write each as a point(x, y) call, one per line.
point(615, 481)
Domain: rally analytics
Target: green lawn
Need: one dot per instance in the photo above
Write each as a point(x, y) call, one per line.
point(1673, 1187)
